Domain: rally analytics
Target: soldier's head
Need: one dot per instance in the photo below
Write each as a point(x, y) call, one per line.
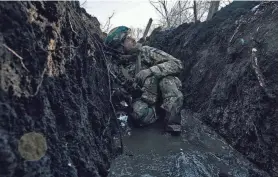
point(120, 39)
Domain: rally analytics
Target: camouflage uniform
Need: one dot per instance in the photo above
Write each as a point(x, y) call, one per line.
point(164, 68)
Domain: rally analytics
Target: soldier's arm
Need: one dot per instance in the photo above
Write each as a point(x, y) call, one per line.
point(164, 64)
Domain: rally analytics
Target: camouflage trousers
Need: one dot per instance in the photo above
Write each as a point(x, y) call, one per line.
point(144, 109)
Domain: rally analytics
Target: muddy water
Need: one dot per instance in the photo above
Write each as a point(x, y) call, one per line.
point(197, 152)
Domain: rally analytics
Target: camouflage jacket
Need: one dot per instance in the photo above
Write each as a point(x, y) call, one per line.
point(159, 62)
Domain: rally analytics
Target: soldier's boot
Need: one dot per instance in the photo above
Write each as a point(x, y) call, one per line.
point(173, 115)
point(172, 103)
point(143, 114)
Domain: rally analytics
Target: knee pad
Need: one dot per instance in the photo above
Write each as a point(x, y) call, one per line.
point(143, 114)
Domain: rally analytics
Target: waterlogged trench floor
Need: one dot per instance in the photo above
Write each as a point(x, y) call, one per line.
point(199, 151)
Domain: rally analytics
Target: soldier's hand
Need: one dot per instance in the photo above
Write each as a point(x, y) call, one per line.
point(142, 75)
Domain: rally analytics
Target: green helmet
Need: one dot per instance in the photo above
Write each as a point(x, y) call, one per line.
point(117, 36)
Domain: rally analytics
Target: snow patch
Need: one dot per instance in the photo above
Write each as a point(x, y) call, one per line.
point(123, 120)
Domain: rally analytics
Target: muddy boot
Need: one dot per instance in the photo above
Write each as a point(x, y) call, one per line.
point(173, 117)
point(173, 123)
point(173, 114)
point(172, 96)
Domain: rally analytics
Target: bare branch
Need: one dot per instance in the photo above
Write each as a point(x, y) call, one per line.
point(83, 3)
point(181, 11)
point(156, 8)
point(107, 25)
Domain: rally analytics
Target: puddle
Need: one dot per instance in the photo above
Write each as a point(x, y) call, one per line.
point(197, 152)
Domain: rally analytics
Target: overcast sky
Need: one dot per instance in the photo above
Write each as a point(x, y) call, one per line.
point(130, 13)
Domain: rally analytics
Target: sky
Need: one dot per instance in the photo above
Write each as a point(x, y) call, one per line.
point(129, 13)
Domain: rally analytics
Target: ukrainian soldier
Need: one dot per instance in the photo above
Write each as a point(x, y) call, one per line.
point(157, 78)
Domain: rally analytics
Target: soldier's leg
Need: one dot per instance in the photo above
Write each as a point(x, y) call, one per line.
point(172, 102)
point(143, 113)
point(144, 108)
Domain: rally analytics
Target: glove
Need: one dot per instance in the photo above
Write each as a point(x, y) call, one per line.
point(142, 75)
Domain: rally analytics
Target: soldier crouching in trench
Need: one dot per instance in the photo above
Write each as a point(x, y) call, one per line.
point(157, 79)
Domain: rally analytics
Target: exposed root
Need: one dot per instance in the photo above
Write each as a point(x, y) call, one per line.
point(72, 28)
point(21, 59)
point(235, 33)
point(110, 98)
point(259, 74)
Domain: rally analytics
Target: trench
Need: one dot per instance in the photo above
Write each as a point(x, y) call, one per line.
point(199, 151)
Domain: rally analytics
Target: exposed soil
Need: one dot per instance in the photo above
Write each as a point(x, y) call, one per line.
point(54, 81)
point(230, 75)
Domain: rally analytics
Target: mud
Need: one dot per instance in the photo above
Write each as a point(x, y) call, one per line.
point(199, 151)
point(230, 75)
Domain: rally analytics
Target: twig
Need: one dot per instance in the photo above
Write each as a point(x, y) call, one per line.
point(107, 25)
point(39, 85)
point(21, 59)
point(83, 3)
point(159, 11)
